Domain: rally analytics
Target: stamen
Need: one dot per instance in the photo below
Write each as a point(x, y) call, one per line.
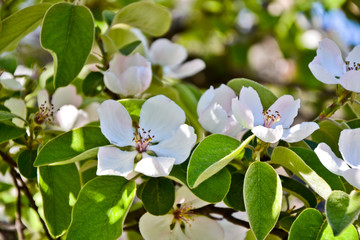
point(184, 213)
point(142, 139)
point(45, 114)
point(270, 119)
point(355, 66)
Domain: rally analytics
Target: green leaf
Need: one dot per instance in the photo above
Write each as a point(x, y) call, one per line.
point(8, 63)
point(262, 195)
point(355, 123)
point(349, 233)
point(25, 163)
point(129, 48)
point(308, 225)
point(93, 84)
point(59, 187)
point(101, 208)
point(266, 96)
point(68, 33)
point(133, 106)
point(290, 160)
point(108, 16)
point(342, 209)
point(10, 131)
point(76, 145)
point(152, 19)
point(235, 197)
point(158, 195)
point(212, 155)
point(88, 171)
point(19, 24)
point(4, 115)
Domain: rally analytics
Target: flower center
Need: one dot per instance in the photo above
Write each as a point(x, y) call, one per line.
point(184, 213)
point(45, 114)
point(271, 118)
point(355, 66)
point(142, 139)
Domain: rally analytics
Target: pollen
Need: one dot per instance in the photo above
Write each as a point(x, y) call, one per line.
point(354, 66)
point(271, 118)
point(142, 139)
point(45, 114)
point(184, 213)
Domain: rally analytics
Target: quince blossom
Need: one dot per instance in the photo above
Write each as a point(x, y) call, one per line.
point(159, 141)
point(328, 66)
point(181, 222)
point(273, 124)
point(215, 112)
point(128, 75)
point(14, 83)
point(349, 138)
point(17, 106)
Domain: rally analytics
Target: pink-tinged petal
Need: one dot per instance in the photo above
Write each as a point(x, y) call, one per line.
point(187, 69)
point(223, 95)
point(91, 110)
point(349, 146)
point(328, 158)
point(242, 114)
point(116, 123)
point(66, 117)
point(156, 227)
point(352, 176)
point(354, 55)
point(251, 99)
point(204, 228)
point(233, 128)
point(82, 119)
point(113, 161)
point(214, 119)
point(287, 108)
point(269, 135)
point(112, 82)
point(155, 166)
point(162, 116)
point(320, 73)
point(184, 196)
point(330, 57)
point(17, 106)
point(177, 146)
point(299, 132)
point(166, 53)
point(351, 81)
point(66, 96)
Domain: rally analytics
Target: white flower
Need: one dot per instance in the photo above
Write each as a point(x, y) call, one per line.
point(128, 75)
point(9, 81)
point(215, 113)
point(273, 124)
point(328, 66)
point(17, 106)
point(161, 138)
point(171, 57)
point(181, 222)
point(350, 151)
point(64, 109)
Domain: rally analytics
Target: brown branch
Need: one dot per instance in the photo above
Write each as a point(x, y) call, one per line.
point(18, 223)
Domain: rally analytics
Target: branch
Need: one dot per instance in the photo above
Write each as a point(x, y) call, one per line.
point(18, 223)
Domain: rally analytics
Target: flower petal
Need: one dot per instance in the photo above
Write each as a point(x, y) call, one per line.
point(116, 123)
point(287, 108)
point(205, 100)
point(156, 227)
point(204, 228)
point(184, 196)
point(66, 117)
point(251, 99)
point(354, 55)
point(166, 53)
point(9, 82)
point(214, 119)
point(242, 114)
point(348, 142)
point(320, 73)
point(233, 128)
point(299, 132)
point(82, 119)
point(223, 95)
point(187, 69)
point(91, 110)
point(113, 161)
point(66, 96)
point(351, 81)
point(162, 116)
point(270, 135)
point(17, 106)
point(330, 57)
point(43, 98)
point(177, 146)
point(155, 166)
point(328, 158)
point(352, 175)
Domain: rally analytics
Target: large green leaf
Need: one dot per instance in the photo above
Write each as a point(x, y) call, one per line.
point(235, 196)
point(78, 144)
point(349, 233)
point(212, 155)
point(262, 195)
point(342, 209)
point(93, 84)
point(68, 33)
point(25, 163)
point(10, 131)
point(59, 187)
point(307, 225)
point(101, 208)
point(4, 115)
point(151, 18)
point(290, 160)
point(19, 24)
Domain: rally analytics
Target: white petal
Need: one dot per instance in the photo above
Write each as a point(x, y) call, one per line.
point(330, 57)
point(155, 166)
point(187, 69)
point(351, 81)
point(287, 108)
point(349, 146)
point(66, 117)
point(82, 119)
point(205, 100)
point(233, 128)
point(43, 98)
point(214, 119)
point(299, 132)
point(112, 82)
point(204, 228)
point(352, 176)
point(320, 73)
point(162, 116)
point(17, 106)
point(242, 114)
point(116, 123)
point(354, 55)
point(270, 135)
point(156, 227)
point(66, 96)
point(166, 53)
point(177, 146)
point(223, 95)
point(184, 196)
point(12, 84)
point(251, 99)
point(113, 161)
point(328, 158)
point(91, 110)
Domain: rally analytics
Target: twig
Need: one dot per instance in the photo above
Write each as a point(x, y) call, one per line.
point(18, 222)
